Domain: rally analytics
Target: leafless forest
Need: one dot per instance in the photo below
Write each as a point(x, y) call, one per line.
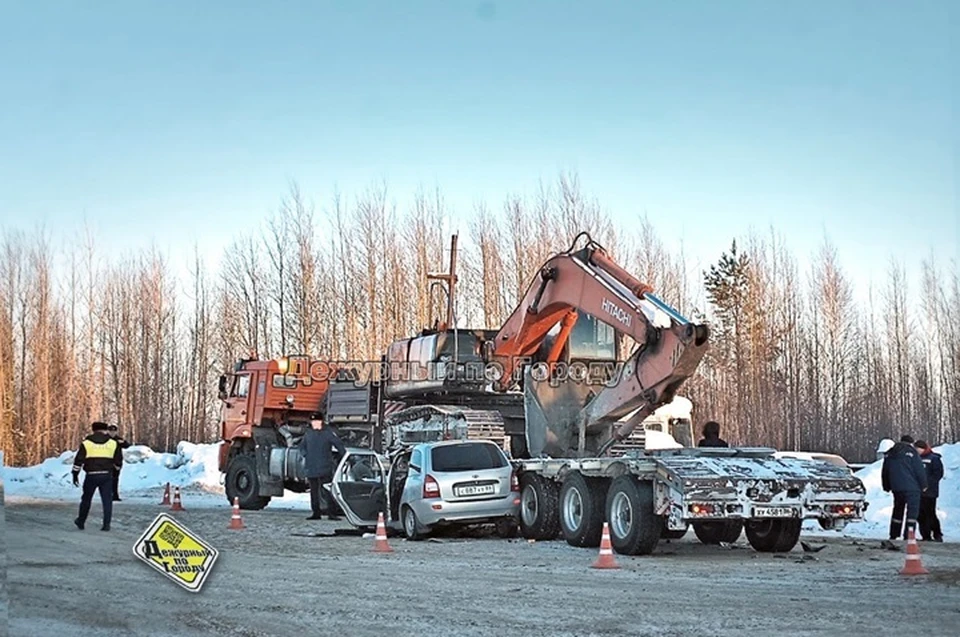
point(796, 362)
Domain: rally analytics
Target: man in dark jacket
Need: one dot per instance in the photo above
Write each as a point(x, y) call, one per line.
point(115, 434)
point(99, 456)
point(929, 522)
point(903, 474)
point(711, 436)
point(317, 447)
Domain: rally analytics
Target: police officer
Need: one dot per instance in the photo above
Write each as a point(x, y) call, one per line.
point(99, 456)
point(903, 473)
point(929, 522)
point(317, 447)
point(115, 434)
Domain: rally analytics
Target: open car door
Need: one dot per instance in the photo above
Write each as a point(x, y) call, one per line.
point(359, 487)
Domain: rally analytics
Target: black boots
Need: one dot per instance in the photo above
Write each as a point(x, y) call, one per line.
point(79, 523)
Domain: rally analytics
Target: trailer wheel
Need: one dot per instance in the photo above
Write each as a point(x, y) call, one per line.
point(634, 527)
point(539, 499)
point(581, 510)
point(242, 483)
point(774, 536)
point(717, 531)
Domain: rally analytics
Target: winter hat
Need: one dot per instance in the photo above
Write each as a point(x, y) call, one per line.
point(885, 445)
point(906, 438)
point(100, 426)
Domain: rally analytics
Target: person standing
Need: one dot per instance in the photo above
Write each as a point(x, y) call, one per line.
point(99, 456)
point(903, 474)
point(317, 446)
point(933, 464)
point(115, 434)
point(711, 436)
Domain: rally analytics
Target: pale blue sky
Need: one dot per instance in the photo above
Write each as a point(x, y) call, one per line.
point(177, 122)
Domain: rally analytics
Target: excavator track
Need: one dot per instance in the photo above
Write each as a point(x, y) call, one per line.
point(447, 422)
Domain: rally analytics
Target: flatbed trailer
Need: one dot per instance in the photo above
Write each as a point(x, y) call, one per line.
point(720, 492)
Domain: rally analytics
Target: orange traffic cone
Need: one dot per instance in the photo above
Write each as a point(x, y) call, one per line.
point(381, 545)
point(606, 559)
point(913, 565)
point(177, 506)
point(166, 496)
point(236, 522)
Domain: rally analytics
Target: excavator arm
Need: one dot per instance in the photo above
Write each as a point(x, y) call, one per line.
point(669, 347)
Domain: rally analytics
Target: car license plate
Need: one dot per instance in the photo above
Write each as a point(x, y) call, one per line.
point(481, 489)
point(773, 512)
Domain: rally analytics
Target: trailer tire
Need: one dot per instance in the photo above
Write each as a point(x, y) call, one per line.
point(635, 529)
point(539, 504)
point(717, 531)
point(242, 483)
point(774, 536)
point(582, 507)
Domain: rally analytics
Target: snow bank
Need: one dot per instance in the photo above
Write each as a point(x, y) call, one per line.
point(193, 468)
point(876, 523)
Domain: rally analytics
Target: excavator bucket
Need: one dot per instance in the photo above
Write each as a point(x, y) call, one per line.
point(551, 411)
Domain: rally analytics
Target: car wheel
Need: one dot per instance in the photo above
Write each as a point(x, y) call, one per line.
point(634, 527)
point(507, 528)
point(774, 536)
point(411, 525)
point(539, 499)
point(242, 483)
point(581, 509)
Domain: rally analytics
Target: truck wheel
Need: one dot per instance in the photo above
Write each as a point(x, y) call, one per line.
point(670, 534)
point(539, 499)
point(717, 531)
point(581, 510)
point(634, 528)
point(774, 536)
point(242, 482)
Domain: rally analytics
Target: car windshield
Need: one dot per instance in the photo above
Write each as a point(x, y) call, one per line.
point(467, 457)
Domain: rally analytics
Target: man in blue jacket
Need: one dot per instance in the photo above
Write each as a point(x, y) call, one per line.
point(929, 522)
point(903, 474)
point(317, 447)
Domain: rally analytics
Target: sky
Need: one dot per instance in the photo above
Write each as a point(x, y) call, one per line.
point(182, 123)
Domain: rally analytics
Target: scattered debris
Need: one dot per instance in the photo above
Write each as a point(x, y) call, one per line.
point(807, 558)
point(811, 548)
point(889, 545)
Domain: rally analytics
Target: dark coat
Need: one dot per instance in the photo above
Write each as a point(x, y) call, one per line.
point(934, 466)
point(902, 470)
point(712, 442)
point(317, 447)
point(98, 453)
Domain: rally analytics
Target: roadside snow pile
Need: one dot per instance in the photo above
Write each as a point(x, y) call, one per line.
point(143, 468)
point(876, 522)
point(193, 468)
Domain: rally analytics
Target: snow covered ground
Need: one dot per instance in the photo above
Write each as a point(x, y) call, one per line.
point(194, 469)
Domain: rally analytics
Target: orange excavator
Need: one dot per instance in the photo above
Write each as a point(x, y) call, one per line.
point(549, 380)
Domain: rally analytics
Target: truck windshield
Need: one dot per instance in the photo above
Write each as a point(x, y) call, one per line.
point(467, 457)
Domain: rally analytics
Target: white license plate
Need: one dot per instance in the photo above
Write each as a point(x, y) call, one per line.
point(773, 512)
point(476, 490)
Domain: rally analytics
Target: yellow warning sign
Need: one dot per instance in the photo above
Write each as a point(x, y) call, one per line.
point(172, 549)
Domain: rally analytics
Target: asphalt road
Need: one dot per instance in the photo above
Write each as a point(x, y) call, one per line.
point(274, 578)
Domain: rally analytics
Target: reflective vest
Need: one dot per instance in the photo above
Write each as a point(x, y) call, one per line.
point(100, 450)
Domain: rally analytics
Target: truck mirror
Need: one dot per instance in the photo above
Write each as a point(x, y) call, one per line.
point(222, 388)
